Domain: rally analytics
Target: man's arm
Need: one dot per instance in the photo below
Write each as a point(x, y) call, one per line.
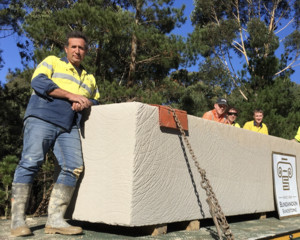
point(41, 80)
point(78, 102)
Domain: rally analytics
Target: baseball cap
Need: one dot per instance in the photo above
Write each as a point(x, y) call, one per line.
point(222, 101)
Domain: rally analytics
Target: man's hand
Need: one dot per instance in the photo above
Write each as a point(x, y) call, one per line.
point(78, 107)
point(83, 101)
point(78, 102)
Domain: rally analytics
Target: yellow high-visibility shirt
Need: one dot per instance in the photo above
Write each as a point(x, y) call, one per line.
point(252, 127)
point(235, 124)
point(297, 137)
point(66, 77)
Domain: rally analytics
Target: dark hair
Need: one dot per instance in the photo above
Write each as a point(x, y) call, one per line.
point(234, 108)
point(258, 110)
point(76, 34)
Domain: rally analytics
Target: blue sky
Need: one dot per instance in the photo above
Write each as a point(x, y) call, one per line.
point(12, 58)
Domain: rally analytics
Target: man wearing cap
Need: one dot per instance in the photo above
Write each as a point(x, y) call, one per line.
point(257, 125)
point(218, 114)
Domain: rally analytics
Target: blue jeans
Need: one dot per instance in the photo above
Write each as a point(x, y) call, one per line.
point(39, 137)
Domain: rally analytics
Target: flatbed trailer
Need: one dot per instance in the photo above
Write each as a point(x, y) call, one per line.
point(255, 229)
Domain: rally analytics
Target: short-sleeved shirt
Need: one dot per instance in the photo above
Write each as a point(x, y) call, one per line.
point(212, 115)
point(235, 124)
point(252, 126)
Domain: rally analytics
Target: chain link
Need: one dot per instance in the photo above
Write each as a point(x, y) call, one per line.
point(214, 207)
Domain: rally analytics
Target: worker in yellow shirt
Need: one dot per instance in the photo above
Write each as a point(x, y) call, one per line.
point(257, 125)
point(297, 137)
point(232, 114)
point(62, 89)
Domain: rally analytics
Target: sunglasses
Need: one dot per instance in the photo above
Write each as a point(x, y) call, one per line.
point(222, 105)
point(232, 113)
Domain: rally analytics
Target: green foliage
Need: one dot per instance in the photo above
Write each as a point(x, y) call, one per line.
point(42, 183)
point(14, 97)
point(119, 30)
point(7, 167)
point(11, 15)
point(110, 30)
point(280, 103)
point(198, 91)
point(259, 37)
point(261, 46)
point(246, 30)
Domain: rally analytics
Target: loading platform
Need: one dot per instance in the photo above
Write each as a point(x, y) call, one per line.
point(255, 229)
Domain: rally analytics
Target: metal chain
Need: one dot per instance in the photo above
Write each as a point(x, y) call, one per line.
point(214, 207)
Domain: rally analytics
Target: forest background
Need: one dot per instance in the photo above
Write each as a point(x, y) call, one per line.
point(135, 56)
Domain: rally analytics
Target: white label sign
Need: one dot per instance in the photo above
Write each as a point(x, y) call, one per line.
point(285, 180)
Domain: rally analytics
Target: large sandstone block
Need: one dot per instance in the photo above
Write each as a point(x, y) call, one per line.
point(138, 174)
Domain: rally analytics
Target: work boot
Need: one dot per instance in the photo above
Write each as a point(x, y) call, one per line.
point(19, 201)
point(60, 198)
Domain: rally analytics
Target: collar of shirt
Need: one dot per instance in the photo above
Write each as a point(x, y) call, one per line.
point(255, 124)
point(78, 69)
point(214, 111)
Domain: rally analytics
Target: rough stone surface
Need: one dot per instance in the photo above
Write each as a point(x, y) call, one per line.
point(137, 174)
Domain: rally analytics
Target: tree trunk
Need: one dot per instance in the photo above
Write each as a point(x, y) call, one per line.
point(132, 66)
point(98, 60)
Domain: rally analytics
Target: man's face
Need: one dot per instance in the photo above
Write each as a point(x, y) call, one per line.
point(76, 51)
point(258, 117)
point(232, 114)
point(220, 108)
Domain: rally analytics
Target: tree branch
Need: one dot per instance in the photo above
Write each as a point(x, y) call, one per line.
point(242, 45)
point(148, 59)
point(291, 21)
point(225, 64)
point(290, 65)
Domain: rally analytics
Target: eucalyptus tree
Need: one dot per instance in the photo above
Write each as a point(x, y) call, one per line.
point(251, 31)
point(11, 17)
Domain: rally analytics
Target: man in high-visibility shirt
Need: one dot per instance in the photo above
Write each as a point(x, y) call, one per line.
point(232, 114)
point(61, 90)
point(297, 137)
point(218, 114)
point(257, 125)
